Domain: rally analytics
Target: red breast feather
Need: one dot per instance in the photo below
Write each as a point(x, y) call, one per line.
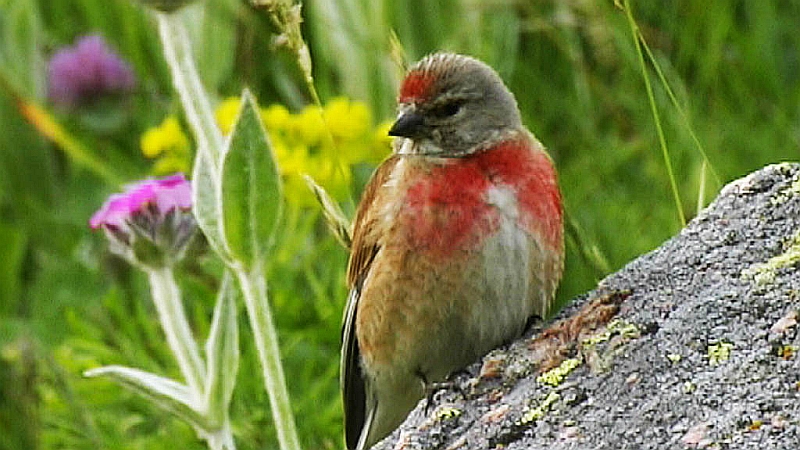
point(448, 205)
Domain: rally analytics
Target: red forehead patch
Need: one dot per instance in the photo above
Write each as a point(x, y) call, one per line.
point(416, 86)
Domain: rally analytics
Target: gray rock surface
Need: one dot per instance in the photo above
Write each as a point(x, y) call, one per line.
point(694, 345)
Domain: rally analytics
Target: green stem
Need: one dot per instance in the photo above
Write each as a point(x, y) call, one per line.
point(701, 190)
point(197, 107)
point(677, 105)
point(222, 439)
point(254, 289)
point(198, 112)
point(661, 139)
point(167, 298)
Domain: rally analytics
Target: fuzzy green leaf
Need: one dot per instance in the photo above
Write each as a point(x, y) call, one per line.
point(205, 201)
point(251, 188)
point(165, 393)
point(222, 353)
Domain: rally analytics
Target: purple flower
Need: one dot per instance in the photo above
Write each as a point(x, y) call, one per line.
point(151, 222)
point(87, 71)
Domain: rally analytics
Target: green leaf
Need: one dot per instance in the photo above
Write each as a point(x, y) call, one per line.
point(251, 187)
point(222, 353)
point(205, 201)
point(13, 244)
point(165, 393)
point(20, 57)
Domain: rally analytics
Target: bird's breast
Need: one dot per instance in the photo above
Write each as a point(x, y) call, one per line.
point(456, 204)
point(445, 208)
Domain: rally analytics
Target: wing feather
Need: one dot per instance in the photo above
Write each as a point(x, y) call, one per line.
point(365, 246)
point(354, 393)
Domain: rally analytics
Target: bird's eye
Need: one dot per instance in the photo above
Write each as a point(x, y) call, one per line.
point(448, 109)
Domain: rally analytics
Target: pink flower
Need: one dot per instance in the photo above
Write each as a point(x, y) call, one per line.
point(87, 71)
point(165, 195)
point(151, 222)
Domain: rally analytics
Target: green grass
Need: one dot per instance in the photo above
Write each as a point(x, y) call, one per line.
point(65, 305)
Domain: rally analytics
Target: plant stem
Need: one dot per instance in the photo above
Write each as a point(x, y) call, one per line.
point(661, 139)
point(701, 190)
point(681, 112)
point(167, 298)
point(49, 127)
point(221, 439)
point(197, 107)
point(254, 289)
point(178, 53)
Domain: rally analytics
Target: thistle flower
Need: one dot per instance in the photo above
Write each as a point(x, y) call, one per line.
point(150, 224)
point(86, 72)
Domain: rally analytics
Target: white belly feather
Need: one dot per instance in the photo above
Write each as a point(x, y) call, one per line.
point(507, 274)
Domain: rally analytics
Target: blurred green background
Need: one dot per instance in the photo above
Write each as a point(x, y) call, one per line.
point(66, 305)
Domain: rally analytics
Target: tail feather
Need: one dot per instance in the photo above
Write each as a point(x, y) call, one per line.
point(354, 395)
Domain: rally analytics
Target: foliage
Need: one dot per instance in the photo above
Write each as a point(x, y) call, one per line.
point(66, 305)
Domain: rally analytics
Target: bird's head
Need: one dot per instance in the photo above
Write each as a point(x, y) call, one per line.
point(452, 105)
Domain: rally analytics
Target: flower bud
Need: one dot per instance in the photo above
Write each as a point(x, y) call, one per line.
point(150, 223)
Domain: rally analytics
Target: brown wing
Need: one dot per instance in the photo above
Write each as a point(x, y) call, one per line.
point(365, 243)
point(365, 246)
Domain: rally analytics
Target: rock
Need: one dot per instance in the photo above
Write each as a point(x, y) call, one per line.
point(694, 345)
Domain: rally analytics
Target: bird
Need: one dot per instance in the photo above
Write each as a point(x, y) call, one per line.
point(456, 243)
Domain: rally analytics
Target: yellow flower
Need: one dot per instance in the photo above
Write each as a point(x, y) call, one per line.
point(347, 120)
point(169, 144)
point(308, 126)
point(171, 164)
point(275, 117)
point(167, 137)
point(292, 159)
point(150, 143)
point(336, 181)
point(226, 114)
point(381, 144)
point(303, 145)
point(381, 134)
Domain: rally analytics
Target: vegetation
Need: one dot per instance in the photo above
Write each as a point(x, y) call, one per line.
point(68, 305)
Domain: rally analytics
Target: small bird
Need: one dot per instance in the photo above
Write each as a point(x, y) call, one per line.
point(457, 242)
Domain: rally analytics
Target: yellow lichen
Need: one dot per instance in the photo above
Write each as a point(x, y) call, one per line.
point(540, 410)
point(556, 375)
point(755, 425)
point(764, 273)
point(787, 193)
point(623, 328)
point(447, 412)
point(616, 326)
point(719, 352)
point(787, 351)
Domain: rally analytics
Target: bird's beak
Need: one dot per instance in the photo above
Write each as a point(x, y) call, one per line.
point(409, 124)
